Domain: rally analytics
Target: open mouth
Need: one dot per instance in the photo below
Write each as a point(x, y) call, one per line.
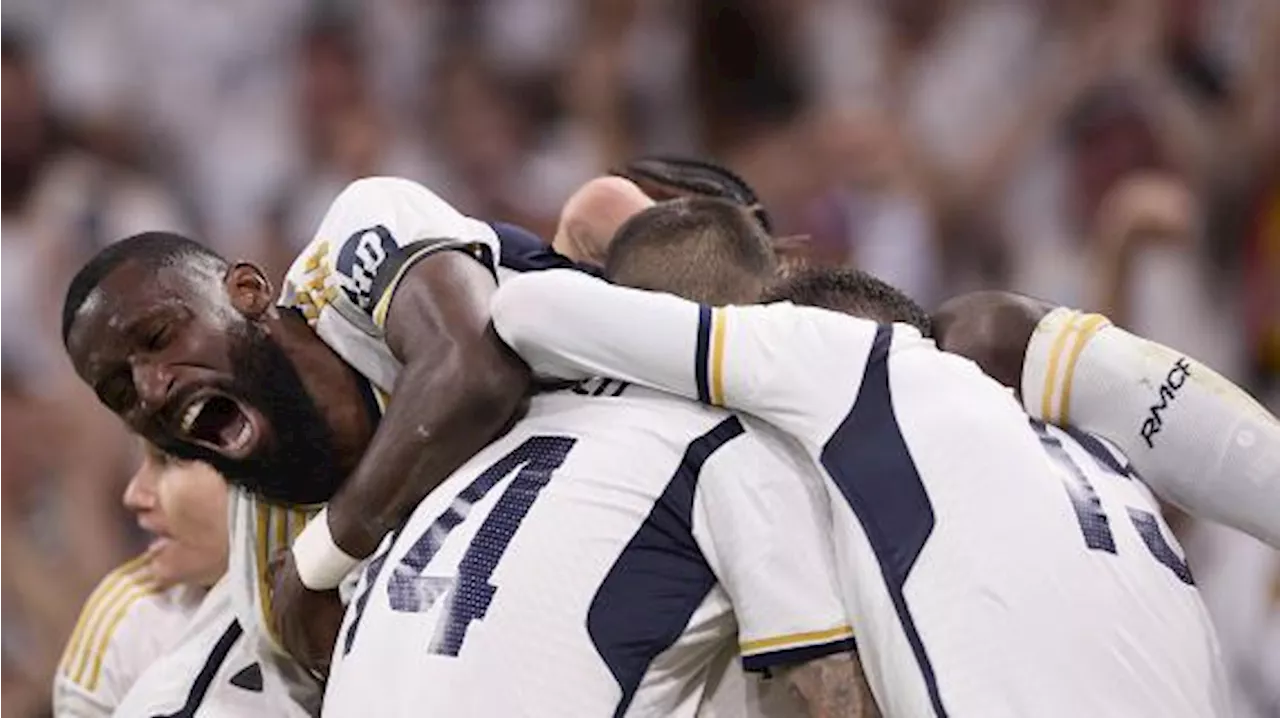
point(218, 422)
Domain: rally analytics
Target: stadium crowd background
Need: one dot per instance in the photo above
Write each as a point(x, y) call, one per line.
point(1115, 155)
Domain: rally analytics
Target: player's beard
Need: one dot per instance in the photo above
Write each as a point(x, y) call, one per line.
point(296, 461)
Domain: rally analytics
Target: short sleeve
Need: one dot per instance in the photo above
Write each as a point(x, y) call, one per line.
point(374, 231)
point(123, 627)
point(762, 520)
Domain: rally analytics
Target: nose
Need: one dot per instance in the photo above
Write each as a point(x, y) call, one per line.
point(140, 494)
point(152, 381)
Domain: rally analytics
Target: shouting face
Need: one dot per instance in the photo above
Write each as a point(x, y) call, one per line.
point(183, 354)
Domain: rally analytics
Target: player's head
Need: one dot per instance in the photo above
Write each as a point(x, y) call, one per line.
point(183, 505)
point(185, 347)
point(664, 178)
point(704, 249)
point(852, 292)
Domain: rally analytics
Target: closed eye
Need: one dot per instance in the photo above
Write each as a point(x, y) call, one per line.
point(117, 392)
point(159, 337)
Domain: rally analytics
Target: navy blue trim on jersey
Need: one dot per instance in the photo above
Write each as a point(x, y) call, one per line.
point(760, 662)
point(700, 354)
point(523, 251)
point(868, 460)
point(218, 656)
point(1105, 457)
point(659, 579)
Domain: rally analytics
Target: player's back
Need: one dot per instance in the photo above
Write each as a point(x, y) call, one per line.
point(564, 572)
point(1027, 571)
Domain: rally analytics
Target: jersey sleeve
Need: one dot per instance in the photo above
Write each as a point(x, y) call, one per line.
point(796, 367)
point(122, 629)
point(1196, 439)
point(761, 519)
point(374, 231)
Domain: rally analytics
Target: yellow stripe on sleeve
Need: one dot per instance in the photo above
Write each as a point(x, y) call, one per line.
point(105, 641)
point(718, 320)
point(90, 614)
point(1051, 376)
point(263, 534)
point(384, 302)
point(791, 640)
point(1090, 326)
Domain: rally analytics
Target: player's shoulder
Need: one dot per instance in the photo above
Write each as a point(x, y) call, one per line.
point(374, 229)
point(125, 608)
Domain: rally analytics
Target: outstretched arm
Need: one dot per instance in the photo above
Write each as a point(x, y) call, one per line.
point(1198, 440)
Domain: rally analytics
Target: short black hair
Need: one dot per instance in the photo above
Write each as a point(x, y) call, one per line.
point(153, 249)
point(705, 249)
point(850, 291)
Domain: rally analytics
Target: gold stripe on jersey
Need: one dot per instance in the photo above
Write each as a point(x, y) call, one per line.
point(1051, 376)
point(718, 321)
point(105, 641)
point(1090, 325)
point(794, 640)
point(102, 612)
point(277, 527)
point(92, 604)
point(384, 302)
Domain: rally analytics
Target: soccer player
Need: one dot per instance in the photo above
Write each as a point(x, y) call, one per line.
point(139, 610)
point(1196, 439)
point(126, 648)
point(292, 400)
point(599, 555)
point(987, 569)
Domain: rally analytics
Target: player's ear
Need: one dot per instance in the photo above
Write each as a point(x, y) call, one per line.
point(250, 290)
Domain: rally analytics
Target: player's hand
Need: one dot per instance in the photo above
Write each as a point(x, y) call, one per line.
point(305, 622)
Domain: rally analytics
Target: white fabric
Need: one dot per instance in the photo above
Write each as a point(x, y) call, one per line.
point(998, 574)
point(562, 603)
point(1197, 440)
point(196, 675)
point(124, 627)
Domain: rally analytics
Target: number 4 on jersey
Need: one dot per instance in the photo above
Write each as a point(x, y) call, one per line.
point(411, 592)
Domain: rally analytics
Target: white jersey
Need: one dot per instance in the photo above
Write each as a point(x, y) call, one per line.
point(124, 626)
point(595, 561)
point(988, 570)
point(342, 282)
point(212, 671)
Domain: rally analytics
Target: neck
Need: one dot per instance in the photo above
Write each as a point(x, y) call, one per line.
point(333, 385)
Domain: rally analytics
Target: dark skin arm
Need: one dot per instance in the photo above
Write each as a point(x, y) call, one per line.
point(459, 388)
point(992, 328)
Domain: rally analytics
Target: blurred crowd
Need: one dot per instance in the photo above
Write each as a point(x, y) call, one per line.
point(1116, 155)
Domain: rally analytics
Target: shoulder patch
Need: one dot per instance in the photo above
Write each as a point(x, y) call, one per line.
point(362, 256)
point(108, 605)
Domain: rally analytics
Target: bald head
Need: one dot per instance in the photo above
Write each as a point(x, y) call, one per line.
point(706, 250)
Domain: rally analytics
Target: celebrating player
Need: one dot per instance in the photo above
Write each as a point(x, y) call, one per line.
point(293, 400)
point(989, 568)
point(591, 555)
point(138, 648)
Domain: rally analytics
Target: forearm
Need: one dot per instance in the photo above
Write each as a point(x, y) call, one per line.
point(1197, 440)
point(570, 326)
point(442, 413)
point(833, 686)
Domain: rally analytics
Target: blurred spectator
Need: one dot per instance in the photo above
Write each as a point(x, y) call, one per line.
point(341, 133)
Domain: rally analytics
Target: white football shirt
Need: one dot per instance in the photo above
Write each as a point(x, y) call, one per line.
point(343, 282)
point(124, 626)
point(984, 575)
point(595, 561)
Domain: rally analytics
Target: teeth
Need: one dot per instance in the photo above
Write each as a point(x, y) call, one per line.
point(242, 438)
point(192, 413)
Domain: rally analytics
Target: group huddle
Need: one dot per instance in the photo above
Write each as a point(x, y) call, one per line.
point(650, 469)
